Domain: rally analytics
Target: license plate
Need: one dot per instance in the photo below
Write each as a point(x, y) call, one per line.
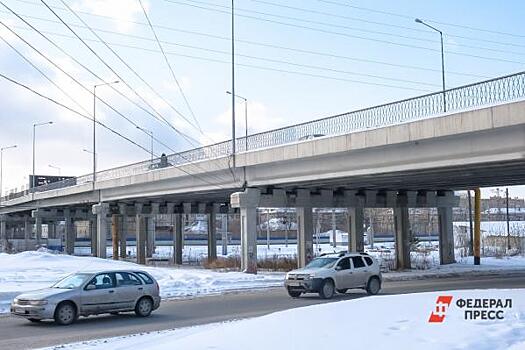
point(294, 284)
point(19, 310)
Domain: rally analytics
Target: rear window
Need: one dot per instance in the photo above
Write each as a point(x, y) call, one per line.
point(369, 260)
point(144, 277)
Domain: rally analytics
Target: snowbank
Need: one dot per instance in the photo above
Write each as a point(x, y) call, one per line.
point(380, 322)
point(33, 270)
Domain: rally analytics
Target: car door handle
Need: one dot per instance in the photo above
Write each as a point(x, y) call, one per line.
point(141, 288)
point(111, 291)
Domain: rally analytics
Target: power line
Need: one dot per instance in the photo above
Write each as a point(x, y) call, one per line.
point(410, 17)
point(114, 72)
point(72, 110)
point(169, 64)
point(293, 49)
point(341, 34)
point(80, 64)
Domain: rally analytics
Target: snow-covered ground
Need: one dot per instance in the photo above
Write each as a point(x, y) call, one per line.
point(379, 322)
point(33, 270)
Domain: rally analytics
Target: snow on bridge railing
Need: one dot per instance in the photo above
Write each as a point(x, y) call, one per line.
point(493, 91)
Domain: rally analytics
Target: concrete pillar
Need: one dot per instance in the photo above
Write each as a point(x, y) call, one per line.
point(177, 238)
point(446, 236)
point(28, 232)
point(93, 236)
point(305, 230)
point(150, 235)
point(140, 234)
point(38, 223)
point(123, 230)
point(249, 239)
point(101, 210)
point(224, 234)
point(115, 233)
point(402, 228)
point(212, 232)
point(355, 229)
point(51, 230)
point(3, 227)
point(70, 233)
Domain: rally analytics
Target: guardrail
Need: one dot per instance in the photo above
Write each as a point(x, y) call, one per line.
point(493, 91)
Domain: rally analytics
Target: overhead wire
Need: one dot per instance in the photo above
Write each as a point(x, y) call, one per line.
point(279, 47)
point(181, 90)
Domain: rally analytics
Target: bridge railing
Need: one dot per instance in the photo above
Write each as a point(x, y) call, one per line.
point(489, 92)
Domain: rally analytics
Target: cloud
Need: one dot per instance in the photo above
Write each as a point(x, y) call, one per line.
point(125, 11)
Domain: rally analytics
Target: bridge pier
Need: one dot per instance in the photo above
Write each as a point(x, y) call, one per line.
point(3, 227)
point(355, 229)
point(177, 238)
point(446, 236)
point(402, 238)
point(38, 224)
point(70, 233)
point(140, 234)
point(28, 232)
point(101, 211)
point(123, 230)
point(248, 202)
point(213, 209)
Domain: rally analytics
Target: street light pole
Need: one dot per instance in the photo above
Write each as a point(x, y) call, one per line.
point(95, 127)
point(245, 118)
point(33, 183)
point(442, 60)
point(233, 84)
point(150, 133)
point(2, 168)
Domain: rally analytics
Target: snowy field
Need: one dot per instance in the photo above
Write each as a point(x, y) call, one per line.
point(379, 322)
point(33, 270)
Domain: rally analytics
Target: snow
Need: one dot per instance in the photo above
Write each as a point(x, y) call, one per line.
point(379, 322)
point(34, 270)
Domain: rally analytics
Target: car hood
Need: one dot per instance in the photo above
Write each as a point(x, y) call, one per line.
point(305, 271)
point(43, 293)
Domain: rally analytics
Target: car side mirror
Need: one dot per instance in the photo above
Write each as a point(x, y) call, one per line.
point(91, 287)
point(338, 268)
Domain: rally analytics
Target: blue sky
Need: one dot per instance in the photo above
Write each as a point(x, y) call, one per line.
point(273, 37)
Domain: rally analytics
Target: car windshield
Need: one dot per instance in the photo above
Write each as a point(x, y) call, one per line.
point(322, 262)
point(72, 281)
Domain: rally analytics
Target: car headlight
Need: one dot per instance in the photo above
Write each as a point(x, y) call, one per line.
point(15, 301)
point(309, 277)
point(37, 302)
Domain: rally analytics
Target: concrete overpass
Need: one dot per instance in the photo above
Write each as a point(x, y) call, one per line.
point(400, 155)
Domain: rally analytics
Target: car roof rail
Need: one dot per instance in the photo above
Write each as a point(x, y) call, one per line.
point(343, 253)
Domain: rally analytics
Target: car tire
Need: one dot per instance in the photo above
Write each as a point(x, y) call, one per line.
point(65, 313)
point(342, 291)
point(34, 320)
point(144, 307)
point(373, 286)
point(294, 293)
point(327, 289)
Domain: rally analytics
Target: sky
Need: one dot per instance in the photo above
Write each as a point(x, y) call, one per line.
point(297, 61)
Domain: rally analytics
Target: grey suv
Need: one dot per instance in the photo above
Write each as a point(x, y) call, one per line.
point(335, 272)
point(90, 293)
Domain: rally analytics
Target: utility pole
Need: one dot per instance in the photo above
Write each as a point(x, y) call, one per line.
point(33, 182)
point(508, 221)
point(471, 247)
point(2, 168)
point(233, 86)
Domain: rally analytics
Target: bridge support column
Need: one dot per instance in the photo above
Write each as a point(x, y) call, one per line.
point(38, 224)
point(150, 235)
point(28, 232)
point(3, 227)
point(224, 234)
point(123, 230)
point(115, 235)
point(93, 235)
point(140, 228)
point(248, 201)
point(355, 229)
point(305, 246)
point(402, 231)
point(212, 232)
point(51, 230)
point(101, 210)
point(446, 236)
point(70, 233)
point(177, 238)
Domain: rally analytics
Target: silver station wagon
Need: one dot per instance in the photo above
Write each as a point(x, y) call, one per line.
point(90, 293)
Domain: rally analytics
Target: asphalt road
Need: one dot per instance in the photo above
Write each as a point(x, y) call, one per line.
point(16, 333)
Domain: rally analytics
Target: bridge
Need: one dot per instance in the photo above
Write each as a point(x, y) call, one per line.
point(401, 155)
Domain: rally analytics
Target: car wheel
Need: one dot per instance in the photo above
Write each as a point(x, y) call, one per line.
point(327, 289)
point(373, 286)
point(294, 293)
point(34, 320)
point(65, 314)
point(342, 291)
point(144, 307)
